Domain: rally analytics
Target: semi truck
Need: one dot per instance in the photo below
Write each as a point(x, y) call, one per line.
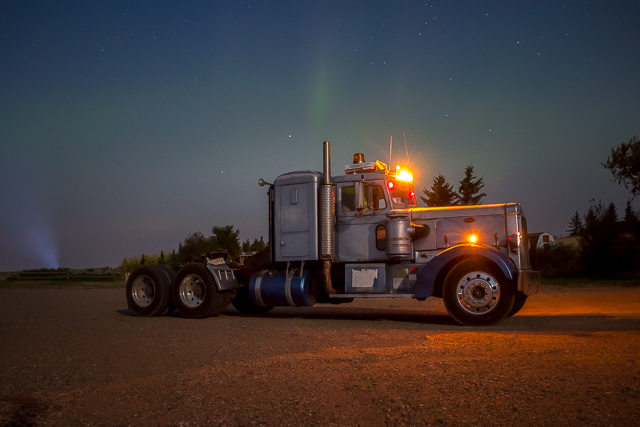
point(333, 239)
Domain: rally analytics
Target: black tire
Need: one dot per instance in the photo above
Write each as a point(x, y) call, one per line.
point(171, 275)
point(148, 291)
point(518, 304)
point(195, 293)
point(476, 294)
point(242, 303)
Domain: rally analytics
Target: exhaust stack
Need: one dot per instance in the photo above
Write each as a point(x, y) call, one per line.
point(327, 218)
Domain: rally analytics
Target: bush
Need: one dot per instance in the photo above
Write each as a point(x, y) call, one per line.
point(556, 261)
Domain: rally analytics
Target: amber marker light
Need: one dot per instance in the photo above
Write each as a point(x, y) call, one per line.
point(403, 174)
point(473, 238)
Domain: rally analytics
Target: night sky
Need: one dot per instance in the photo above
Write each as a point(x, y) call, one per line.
point(125, 126)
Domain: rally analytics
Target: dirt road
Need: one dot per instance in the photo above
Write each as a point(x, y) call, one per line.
point(79, 357)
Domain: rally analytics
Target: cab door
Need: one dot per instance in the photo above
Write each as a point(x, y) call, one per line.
point(360, 236)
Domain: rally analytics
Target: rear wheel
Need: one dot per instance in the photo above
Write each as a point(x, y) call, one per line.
point(170, 273)
point(476, 294)
point(195, 293)
point(148, 291)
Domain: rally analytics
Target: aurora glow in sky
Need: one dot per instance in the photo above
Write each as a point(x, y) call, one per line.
point(125, 126)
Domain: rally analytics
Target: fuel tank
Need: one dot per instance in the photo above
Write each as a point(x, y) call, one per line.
point(269, 288)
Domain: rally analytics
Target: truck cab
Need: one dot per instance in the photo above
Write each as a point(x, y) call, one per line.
point(384, 245)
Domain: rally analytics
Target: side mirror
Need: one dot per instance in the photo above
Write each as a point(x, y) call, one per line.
point(359, 196)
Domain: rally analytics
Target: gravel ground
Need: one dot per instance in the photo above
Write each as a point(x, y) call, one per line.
point(79, 357)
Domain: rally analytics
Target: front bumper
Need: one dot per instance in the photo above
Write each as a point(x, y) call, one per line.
point(528, 281)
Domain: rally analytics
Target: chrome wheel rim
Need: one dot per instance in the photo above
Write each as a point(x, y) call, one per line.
point(192, 290)
point(478, 292)
point(143, 290)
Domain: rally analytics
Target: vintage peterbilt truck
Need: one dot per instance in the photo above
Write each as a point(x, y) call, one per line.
point(359, 235)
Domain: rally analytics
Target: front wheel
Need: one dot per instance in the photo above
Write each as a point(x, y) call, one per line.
point(518, 304)
point(476, 294)
point(195, 293)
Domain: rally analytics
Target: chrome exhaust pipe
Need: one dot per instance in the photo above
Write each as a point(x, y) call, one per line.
point(327, 218)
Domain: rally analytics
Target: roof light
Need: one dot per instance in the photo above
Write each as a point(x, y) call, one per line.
point(473, 238)
point(403, 174)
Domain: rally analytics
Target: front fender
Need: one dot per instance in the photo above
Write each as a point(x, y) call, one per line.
point(430, 276)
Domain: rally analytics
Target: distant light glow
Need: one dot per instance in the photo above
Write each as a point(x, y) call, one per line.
point(473, 238)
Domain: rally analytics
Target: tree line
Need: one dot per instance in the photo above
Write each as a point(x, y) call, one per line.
point(608, 246)
point(442, 193)
point(196, 244)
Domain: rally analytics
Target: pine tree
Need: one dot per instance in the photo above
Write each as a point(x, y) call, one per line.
point(226, 238)
point(441, 193)
point(469, 190)
point(258, 245)
point(575, 225)
point(630, 216)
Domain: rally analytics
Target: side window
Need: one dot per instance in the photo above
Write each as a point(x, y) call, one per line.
point(348, 197)
point(373, 198)
point(377, 198)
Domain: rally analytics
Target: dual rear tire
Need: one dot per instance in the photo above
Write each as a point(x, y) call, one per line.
point(154, 290)
point(195, 293)
point(149, 290)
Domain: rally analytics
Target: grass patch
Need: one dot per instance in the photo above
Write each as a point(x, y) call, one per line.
point(44, 284)
point(591, 282)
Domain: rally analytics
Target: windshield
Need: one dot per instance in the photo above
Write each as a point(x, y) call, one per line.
point(402, 194)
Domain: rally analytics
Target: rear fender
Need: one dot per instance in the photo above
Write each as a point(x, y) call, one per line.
point(432, 276)
point(224, 276)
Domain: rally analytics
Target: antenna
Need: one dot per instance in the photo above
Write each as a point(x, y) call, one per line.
point(390, 147)
point(405, 145)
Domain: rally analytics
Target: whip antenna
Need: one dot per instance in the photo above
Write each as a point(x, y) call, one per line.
point(390, 147)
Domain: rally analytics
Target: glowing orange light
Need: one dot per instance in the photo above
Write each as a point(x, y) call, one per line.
point(473, 238)
point(403, 174)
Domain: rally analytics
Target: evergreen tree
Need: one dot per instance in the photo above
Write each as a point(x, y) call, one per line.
point(258, 245)
point(630, 216)
point(173, 259)
point(441, 193)
point(246, 246)
point(575, 225)
point(610, 216)
point(161, 259)
point(469, 190)
point(226, 238)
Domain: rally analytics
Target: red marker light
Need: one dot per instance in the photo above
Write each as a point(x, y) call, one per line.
point(411, 194)
point(390, 185)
